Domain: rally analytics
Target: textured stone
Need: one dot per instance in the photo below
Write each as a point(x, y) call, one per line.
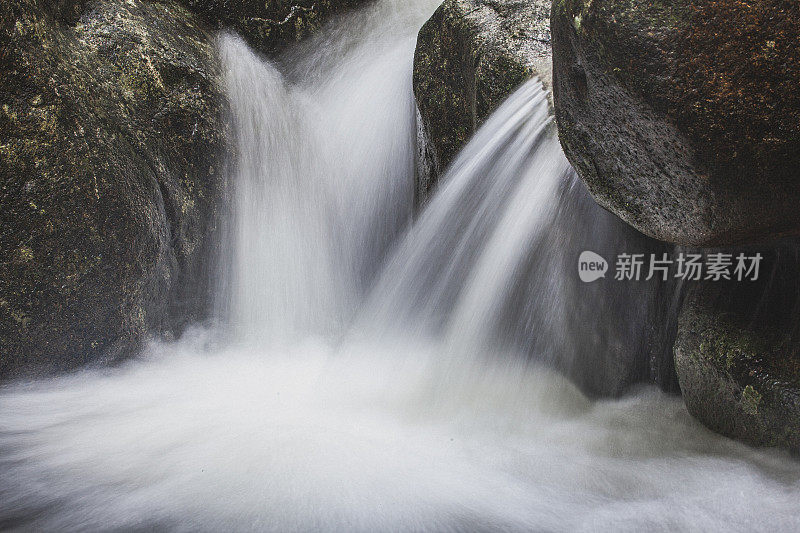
point(683, 118)
point(111, 173)
point(738, 358)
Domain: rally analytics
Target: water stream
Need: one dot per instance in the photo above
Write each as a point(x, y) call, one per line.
point(370, 374)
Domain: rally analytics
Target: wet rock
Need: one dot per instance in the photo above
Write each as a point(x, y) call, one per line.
point(470, 56)
point(737, 355)
point(269, 26)
point(111, 174)
point(683, 118)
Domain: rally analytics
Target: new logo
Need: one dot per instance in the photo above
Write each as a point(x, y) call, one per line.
point(591, 266)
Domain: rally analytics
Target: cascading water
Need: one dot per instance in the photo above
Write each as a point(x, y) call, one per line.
point(492, 261)
point(359, 388)
point(322, 185)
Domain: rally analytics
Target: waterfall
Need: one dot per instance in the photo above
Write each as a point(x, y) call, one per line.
point(323, 178)
point(370, 374)
point(492, 261)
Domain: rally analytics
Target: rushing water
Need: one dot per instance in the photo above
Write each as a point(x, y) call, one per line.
point(371, 375)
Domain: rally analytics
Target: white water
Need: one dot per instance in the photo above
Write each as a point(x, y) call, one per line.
point(330, 406)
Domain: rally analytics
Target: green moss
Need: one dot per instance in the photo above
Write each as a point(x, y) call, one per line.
point(751, 399)
point(737, 374)
point(25, 254)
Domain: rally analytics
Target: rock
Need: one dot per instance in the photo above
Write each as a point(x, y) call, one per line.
point(270, 25)
point(683, 118)
point(738, 358)
point(111, 174)
point(470, 56)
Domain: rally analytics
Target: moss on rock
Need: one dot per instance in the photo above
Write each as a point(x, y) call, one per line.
point(110, 177)
point(738, 360)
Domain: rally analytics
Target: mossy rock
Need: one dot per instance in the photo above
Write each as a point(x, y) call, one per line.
point(737, 357)
point(111, 175)
point(470, 56)
point(683, 118)
point(269, 26)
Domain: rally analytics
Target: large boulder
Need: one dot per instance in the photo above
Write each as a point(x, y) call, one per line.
point(269, 26)
point(737, 355)
point(111, 171)
point(683, 117)
point(470, 56)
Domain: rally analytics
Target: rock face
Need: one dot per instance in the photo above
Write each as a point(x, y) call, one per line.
point(684, 117)
point(269, 25)
point(470, 56)
point(112, 165)
point(111, 173)
point(738, 361)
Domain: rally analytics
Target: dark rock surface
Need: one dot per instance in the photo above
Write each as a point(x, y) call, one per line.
point(269, 26)
point(470, 56)
point(111, 171)
point(683, 118)
point(737, 354)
